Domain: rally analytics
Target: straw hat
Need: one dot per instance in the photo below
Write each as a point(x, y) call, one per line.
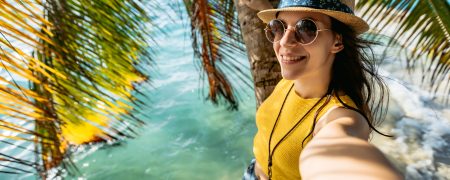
point(341, 10)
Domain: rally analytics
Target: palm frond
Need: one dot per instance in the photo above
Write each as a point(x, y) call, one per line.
point(17, 101)
point(216, 41)
point(82, 75)
point(423, 30)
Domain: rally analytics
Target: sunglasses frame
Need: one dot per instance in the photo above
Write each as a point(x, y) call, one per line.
point(295, 30)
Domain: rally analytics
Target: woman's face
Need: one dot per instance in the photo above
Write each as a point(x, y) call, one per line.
point(311, 60)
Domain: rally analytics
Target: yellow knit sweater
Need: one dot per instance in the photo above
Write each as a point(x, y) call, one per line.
point(286, 156)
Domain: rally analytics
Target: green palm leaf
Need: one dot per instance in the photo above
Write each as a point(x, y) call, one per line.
point(82, 76)
point(216, 40)
point(423, 29)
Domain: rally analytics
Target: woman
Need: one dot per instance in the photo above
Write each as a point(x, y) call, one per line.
point(316, 122)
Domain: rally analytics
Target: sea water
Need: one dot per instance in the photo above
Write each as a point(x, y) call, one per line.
point(187, 137)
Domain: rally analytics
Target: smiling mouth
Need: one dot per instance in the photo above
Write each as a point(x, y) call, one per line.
point(291, 59)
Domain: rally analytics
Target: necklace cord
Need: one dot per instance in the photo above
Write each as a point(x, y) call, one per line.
point(285, 136)
point(315, 117)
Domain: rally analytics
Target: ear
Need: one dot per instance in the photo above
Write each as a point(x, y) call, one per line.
point(338, 45)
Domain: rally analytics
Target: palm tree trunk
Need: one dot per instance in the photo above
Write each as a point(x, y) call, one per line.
point(263, 62)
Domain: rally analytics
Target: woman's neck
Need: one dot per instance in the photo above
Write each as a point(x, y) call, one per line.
point(312, 86)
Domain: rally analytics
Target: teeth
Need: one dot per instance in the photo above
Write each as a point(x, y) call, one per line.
point(291, 58)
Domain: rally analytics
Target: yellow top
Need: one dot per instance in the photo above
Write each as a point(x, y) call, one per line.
point(285, 159)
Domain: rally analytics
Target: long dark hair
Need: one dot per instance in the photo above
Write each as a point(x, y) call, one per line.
point(355, 73)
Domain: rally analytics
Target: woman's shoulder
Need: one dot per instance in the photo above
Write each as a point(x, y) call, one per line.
point(353, 121)
point(339, 108)
point(279, 92)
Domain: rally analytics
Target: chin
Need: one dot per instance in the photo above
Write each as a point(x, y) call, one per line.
point(289, 75)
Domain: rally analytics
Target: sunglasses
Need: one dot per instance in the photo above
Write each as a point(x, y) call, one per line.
point(305, 31)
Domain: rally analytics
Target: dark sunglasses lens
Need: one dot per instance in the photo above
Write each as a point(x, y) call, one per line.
point(306, 31)
point(275, 30)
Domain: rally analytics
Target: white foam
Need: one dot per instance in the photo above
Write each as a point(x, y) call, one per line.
point(420, 132)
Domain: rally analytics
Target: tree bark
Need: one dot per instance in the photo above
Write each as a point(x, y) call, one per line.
point(263, 62)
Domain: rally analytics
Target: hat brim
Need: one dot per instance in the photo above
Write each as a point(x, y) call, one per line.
point(357, 24)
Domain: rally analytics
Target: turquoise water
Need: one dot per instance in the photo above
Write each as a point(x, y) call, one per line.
point(186, 137)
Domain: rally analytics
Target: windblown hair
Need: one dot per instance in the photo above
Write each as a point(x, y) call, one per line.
point(355, 73)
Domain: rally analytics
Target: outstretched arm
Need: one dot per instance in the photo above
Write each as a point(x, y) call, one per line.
point(340, 151)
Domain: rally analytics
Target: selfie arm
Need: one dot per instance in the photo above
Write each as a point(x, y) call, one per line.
point(339, 151)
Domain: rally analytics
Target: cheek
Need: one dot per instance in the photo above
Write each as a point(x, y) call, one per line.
point(317, 56)
point(319, 51)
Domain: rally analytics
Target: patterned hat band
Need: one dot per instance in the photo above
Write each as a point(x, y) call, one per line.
point(334, 5)
point(341, 10)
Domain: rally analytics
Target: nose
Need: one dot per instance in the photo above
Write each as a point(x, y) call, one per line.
point(288, 39)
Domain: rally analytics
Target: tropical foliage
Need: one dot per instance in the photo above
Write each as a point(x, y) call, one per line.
point(423, 30)
point(81, 75)
point(216, 40)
